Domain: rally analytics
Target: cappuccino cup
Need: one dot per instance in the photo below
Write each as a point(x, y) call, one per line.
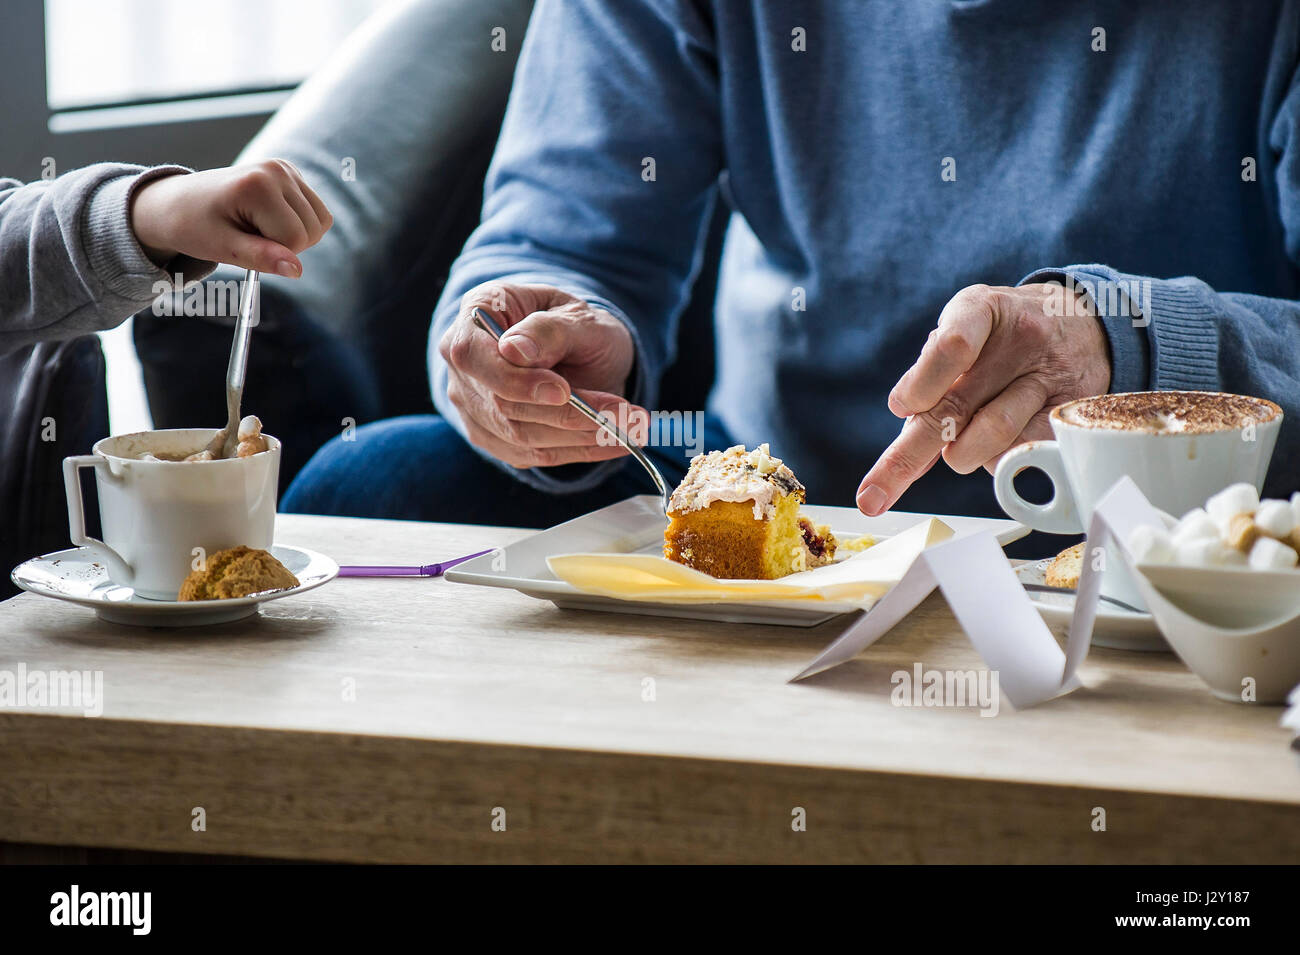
point(1179, 447)
point(162, 516)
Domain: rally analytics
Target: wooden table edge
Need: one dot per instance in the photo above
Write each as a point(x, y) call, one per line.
point(341, 796)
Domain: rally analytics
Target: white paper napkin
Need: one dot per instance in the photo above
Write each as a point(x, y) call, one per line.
point(1122, 509)
point(858, 581)
point(990, 605)
point(993, 608)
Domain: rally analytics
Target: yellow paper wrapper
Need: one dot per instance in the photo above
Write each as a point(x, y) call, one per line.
point(860, 580)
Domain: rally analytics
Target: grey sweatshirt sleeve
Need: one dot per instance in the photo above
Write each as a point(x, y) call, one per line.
point(69, 262)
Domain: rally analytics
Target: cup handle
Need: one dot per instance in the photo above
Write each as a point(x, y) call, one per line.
point(1060, 515)
point(118, 569)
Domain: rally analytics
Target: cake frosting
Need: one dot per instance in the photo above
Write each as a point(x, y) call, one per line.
point(735, 475)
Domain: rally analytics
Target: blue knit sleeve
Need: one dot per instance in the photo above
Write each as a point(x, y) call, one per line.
point(1179, 333)
point(602, 181)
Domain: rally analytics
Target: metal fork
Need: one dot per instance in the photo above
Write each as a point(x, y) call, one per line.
point(485, 322)
point(1046, 589)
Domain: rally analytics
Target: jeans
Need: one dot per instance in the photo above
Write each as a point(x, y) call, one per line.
point(419, 468)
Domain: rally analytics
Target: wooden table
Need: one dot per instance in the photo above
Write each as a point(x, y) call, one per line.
point(474, 705)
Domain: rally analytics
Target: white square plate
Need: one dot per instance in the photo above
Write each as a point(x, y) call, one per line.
point(636, 526)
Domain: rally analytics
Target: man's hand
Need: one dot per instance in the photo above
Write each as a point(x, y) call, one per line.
point(513, 394)
point(257, 216)
point(986, 380)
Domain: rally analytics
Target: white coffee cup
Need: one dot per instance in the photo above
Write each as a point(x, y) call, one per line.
point(161, 519)
point(1176, 469)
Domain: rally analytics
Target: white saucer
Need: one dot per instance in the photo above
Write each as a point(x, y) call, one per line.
point(1114, 628)
point(77, 576)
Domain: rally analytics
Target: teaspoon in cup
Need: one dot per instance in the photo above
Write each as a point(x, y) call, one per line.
point(225, 441)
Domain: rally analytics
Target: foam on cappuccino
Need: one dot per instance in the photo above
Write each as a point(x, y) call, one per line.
point(1167, 412)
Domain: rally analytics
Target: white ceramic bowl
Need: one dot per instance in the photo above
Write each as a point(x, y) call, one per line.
point(1238, 629)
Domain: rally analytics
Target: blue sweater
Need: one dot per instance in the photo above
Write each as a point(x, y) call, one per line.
point(879, 156)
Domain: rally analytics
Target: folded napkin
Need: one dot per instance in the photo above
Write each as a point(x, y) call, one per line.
point(858, 581)
point(991, 606)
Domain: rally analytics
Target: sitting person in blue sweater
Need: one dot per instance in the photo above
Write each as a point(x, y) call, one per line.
point(914, 185)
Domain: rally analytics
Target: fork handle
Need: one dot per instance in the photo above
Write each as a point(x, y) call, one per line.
point(618, 435)
point(483, 321)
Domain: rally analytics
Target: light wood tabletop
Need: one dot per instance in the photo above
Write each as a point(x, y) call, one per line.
point(417, 720)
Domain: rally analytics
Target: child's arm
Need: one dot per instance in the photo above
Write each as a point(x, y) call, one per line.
point(85, 251)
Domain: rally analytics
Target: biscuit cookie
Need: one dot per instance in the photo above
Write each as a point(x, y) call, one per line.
point(1065, 567)
point(237, 572)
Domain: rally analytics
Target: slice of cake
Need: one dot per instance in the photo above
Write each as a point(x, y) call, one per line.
point(736, 515)
point(237, 572)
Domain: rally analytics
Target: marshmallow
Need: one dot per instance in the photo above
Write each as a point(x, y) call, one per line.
point(1270, 554)
point(1232, 500)
point(1207, 552)
point(1295, 507)
point(251, 439)
point(1195, 525)
point(1233, 556)
point(1150, 545)
point(1275, 518)
point(250, 426)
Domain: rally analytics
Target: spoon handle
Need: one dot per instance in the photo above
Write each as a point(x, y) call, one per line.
point(238, 367)
point(389, 570)
point(239, 349)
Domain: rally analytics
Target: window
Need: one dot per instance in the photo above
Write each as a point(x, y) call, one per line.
point(107, 61)
point(113, 52)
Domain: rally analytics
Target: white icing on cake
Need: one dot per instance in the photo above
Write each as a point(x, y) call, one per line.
point(735, 475)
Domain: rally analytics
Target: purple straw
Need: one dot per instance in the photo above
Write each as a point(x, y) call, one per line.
point(428, 570)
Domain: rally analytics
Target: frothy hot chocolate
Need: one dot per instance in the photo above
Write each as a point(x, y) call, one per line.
point(1167, 412)
point(251, 441)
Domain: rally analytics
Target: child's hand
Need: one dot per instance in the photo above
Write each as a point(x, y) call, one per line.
point(256, 216)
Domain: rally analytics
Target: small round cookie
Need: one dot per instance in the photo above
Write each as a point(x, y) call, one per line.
point(237, 572)
point(1065, 567)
